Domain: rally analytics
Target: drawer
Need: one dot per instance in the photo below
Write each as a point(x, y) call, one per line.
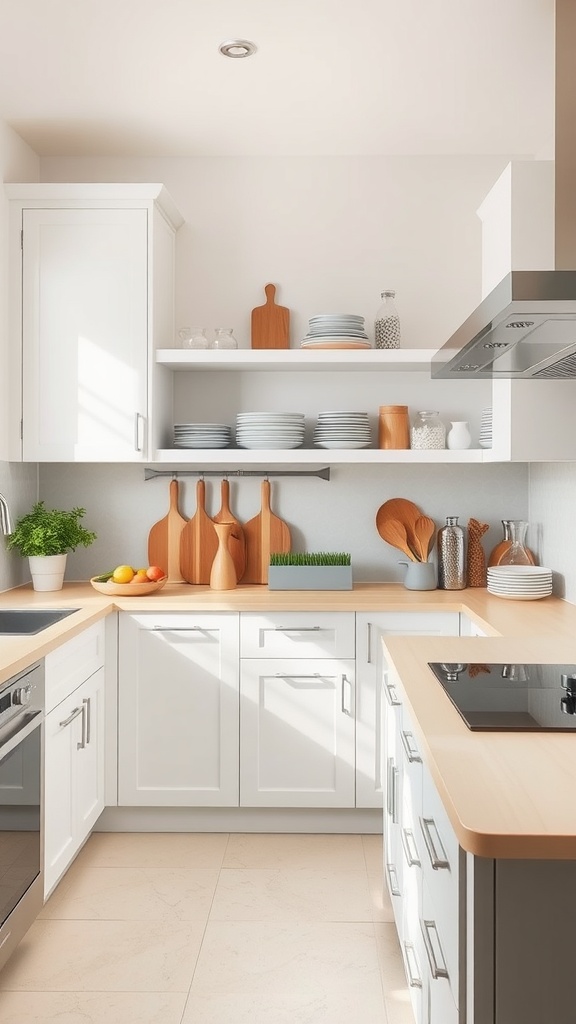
point(442, 976)
point(72, 663)
point(298, 635)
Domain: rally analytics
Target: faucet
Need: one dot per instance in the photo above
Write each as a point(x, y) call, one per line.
point(5, 521)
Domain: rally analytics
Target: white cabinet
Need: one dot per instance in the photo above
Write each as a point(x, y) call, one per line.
point(178, 710)
point(92, 286)
point(74, 750)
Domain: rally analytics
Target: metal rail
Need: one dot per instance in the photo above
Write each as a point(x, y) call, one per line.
point(324, 474)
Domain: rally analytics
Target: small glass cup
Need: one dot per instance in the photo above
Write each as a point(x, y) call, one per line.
point(224, 339)
point(193, 337)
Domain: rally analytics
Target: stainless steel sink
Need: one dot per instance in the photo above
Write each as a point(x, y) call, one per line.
point(28, 621)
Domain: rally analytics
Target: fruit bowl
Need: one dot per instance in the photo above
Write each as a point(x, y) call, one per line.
point(128, 589)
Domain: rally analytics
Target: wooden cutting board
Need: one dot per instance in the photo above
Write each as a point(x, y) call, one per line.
point(270, 323)
point(236, 541)
point(198, 542)
point(164, 539)
point(265, 533)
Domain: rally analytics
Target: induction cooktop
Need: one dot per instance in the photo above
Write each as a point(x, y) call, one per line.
point(511, 698)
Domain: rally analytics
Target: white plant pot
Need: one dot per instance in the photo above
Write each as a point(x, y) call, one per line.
point(47, 571)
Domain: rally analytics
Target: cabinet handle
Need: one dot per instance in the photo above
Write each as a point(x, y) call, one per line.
point(410, 747)
point(137, 417)
point(395, 800)
point(87, 701)
point(345, 710)
point(369, 643)
point(392, 694)
point(389, 794)
point(414, 979)
point(297, 629)
point(73, 714)
point(82, 744)
point(410, 848)
point(393, 880)
point(291, 675)
point(436, 851)
point(430, 936)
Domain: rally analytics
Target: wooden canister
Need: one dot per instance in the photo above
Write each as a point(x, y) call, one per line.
point(393, 426)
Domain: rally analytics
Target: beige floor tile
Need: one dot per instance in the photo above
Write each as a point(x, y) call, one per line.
point(133, 894)
point(104, 956)
point(154, 850)
point(373, 853)
point(91, 1008)
point(301, 895)
point(277, 974)
point(265, 850)
point(396, 994)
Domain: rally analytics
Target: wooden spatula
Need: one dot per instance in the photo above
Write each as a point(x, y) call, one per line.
point(394, 533)
point(264, 533)
point(164, 539)
point(236, 540)
point(198, 542)
point(403, 511)
point(270, 323)
point(424, 530)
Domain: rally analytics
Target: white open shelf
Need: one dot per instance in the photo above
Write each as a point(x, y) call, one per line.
point(396, 360)
point(315, 456)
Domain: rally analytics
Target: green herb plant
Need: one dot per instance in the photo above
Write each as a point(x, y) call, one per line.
point(310, 558)
point(49, 532)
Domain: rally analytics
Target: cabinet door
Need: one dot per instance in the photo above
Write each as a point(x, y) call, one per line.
point(90, 755)
point(297, 635)
point(63, 733)
point(85, 334)
point(370, 628)
point(392, 791)
point(178, 710)
point(296, 733)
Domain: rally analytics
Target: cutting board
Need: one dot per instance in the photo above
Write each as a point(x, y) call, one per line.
point(198, 542)
point(270, 323)
point(164, 539)
point(236, 541)
point(264, 533)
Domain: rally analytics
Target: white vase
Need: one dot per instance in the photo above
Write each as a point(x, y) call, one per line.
point(47, 571)
point(459, 435)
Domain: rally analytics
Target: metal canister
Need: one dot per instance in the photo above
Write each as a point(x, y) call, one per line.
point(451, 561)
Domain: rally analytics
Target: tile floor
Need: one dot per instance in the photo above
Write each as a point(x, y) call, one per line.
point(161, 928)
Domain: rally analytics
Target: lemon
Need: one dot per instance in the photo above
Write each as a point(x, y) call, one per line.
point(123, 574)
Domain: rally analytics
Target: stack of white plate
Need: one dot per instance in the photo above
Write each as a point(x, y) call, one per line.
point(270, 429)
point(202, 435)
point(342, 430)
point(336, 330)
point(520, 582)
point(486, 428)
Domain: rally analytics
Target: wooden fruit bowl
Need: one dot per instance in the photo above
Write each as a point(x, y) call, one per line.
point(128, 589)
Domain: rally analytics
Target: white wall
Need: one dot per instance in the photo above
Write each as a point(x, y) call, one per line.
point(552, 505)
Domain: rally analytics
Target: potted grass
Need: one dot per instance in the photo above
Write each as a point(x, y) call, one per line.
point(45, 536)
point(321, 570)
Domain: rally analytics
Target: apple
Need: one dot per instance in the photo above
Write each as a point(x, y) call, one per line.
point(155, 573)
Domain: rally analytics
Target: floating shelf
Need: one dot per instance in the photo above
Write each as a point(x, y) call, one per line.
point(392, 360)
point(320, 456)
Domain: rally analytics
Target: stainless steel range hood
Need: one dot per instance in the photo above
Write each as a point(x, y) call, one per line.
point(526, 326)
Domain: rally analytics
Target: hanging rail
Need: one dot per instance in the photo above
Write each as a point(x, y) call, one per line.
point(324, 474)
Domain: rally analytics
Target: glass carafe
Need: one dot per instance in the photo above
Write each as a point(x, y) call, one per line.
point(497, 554)
point(517, 553)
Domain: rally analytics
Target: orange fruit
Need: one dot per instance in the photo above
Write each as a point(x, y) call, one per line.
point(123, 574)
point(140, 576)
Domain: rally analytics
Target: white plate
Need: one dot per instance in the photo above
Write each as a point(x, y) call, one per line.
point(520, 597)
point(268, 445)
point(342, 444)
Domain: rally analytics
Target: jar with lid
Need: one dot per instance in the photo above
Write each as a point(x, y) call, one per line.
point(427, 431)
point(224, 339)
point(387, 323)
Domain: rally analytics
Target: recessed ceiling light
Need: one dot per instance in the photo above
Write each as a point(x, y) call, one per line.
point(237, 48)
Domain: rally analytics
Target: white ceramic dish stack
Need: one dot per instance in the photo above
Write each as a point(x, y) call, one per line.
point(336, 330)
point(202, 435)
point(270, 429)
point(520, 582)
point(485, 439)
point(342, 430)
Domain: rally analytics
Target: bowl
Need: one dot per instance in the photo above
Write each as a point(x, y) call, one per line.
point(128, 589)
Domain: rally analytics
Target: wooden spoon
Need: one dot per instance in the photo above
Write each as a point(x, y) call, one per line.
point(403, 511)
point(394, 533)
point(424, 530)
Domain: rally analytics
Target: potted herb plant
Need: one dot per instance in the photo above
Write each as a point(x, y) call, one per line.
point(309, 570)
point(45, 536)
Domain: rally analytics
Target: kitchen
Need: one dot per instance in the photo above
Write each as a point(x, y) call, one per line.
point(368, 221)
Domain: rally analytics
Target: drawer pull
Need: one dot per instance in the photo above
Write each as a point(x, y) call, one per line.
point(436, 960)
point(87, 702)
point(436, 851)
point(345, 710)
point(369, 643)
point(395, 800)
point(414, 979)
point(392, 694)
point(297, 629)
point(393, 880)
point(82, 744)
point(308, 675)
point(410, 848)
point(410, 747)
point(73, 714)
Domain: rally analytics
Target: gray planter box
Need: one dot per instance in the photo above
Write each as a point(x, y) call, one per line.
point(310, 577)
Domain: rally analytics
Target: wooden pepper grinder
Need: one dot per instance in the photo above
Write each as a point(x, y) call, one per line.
point(475, 558)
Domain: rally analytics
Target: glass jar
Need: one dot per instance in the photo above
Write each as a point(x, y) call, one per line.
point(427, 431)
point(224, 339)
point(193, 337)
point(516, 553)
point(387, 323)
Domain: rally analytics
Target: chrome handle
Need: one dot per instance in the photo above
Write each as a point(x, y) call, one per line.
point(137, 417)
point(414, 979)
point(87, 701)
point(437, 965)
point(297, 629)
point(290, 675)
point(410, 848)
point(181, 629)
point(436, 851)
point(82, 744)
point(410, 747)
point(369, 643)
point(345, 710)
point(73, 714)
point(392, 694)
point(389, 794)
point(395, 800)
point(393, 880)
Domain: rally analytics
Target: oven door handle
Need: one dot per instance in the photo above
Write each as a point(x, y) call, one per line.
point(13, 739)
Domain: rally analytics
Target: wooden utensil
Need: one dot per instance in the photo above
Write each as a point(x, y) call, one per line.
point(270, 323)
point(164, 539)
point(198, 542)
point(264, 533)
point(236, 540)
point(403, 511)
point(394, 533)
point(424, 530)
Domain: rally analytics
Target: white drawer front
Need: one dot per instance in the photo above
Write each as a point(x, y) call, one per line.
point(298, 635)
point(76, 660)
point(442, 975)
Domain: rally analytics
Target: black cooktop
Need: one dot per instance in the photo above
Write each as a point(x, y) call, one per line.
point(511, 698)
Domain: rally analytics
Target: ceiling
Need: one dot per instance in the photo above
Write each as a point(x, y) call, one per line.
point(330, 77)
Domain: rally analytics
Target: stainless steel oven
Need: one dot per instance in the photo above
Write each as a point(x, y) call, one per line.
point(21, 805)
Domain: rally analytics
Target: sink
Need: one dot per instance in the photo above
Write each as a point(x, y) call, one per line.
point(28, 621)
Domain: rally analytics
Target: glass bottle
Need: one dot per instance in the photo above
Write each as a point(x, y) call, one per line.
point(516, 553)
point(387, 323)
point(451, 561)
point(427, 430)
point(224, 338)
point(497, 553)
